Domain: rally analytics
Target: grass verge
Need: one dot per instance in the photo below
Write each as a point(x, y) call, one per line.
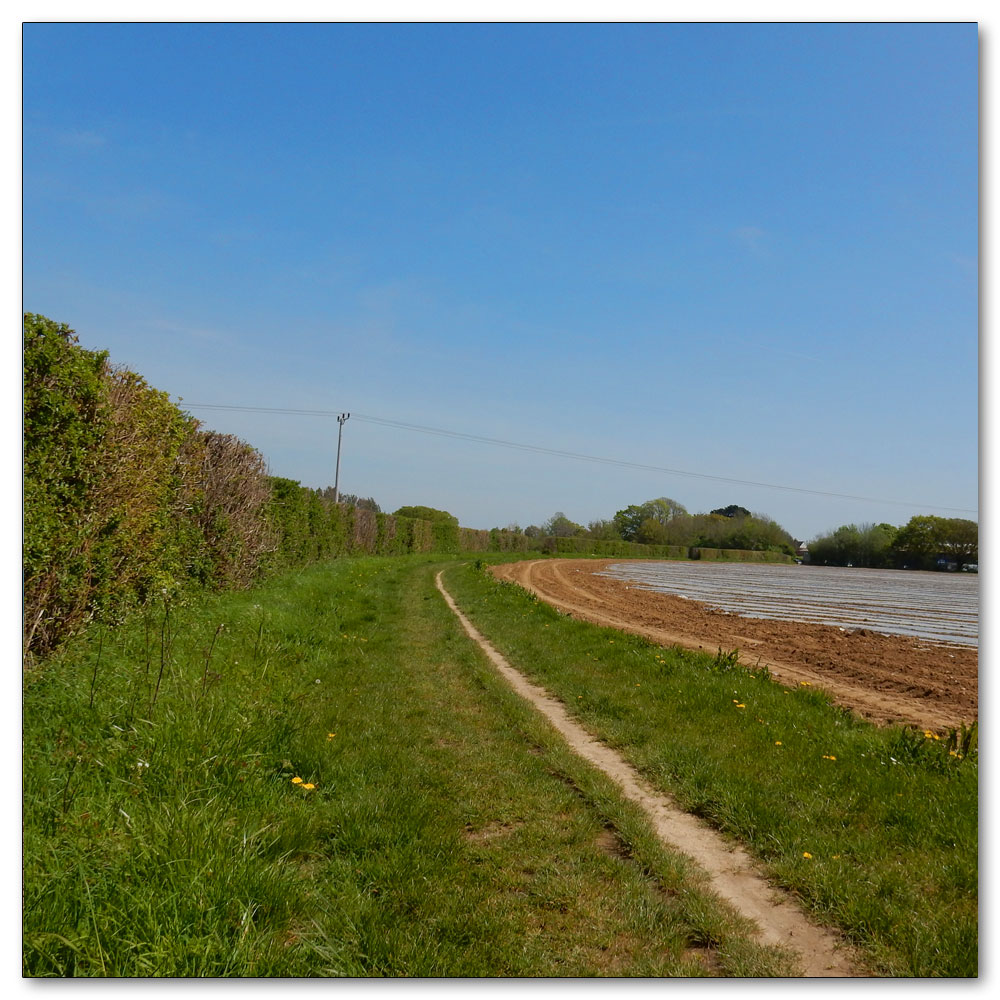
point(323, 777)
point(875, 829)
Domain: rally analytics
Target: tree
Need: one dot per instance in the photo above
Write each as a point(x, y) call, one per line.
point(427, 514)
point(926, 537)
point(560, 526)
point(603, 530)
point(652, 532)
point(663, 510)
point(867, 545)
point(962, 540)
point(733, 510)
point(919, 541)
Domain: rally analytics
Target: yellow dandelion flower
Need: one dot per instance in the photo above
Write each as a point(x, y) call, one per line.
point(309, 784)
point(296, 780)
point(777, 743)
point(741, 706)
point(836, 857)
point(827, 756)
point(805, 684)
point(806, 854)
point(330, 736)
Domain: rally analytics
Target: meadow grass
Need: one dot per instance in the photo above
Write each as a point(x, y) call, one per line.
point(874, 829)
point(324, 777)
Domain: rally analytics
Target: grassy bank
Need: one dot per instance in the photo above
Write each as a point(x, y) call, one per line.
point(322, 777)
point(874, 829)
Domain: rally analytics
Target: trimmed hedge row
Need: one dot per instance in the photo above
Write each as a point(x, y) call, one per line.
point(499, 540)
point(312, 527)
point(739, 555)
point(126, 497)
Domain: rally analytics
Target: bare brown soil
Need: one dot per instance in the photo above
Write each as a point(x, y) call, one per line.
point(883, 678)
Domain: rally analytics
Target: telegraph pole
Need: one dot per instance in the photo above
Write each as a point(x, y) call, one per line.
point(341, 419)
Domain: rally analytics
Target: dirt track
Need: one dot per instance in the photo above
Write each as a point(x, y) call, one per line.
point(883, 678)
point(730, 870)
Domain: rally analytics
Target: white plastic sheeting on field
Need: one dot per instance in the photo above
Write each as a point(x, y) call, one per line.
point(941, 607)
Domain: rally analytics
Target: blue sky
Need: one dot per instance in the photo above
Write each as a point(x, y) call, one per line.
point(743, 251)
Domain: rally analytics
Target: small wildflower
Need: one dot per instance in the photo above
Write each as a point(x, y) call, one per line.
point(805, 684)
point(777, 743)
point(806, 854)
point(931, 736)
point(309, 784)
point(827, 756)
point(836, 857)
point(740, 705)
point(296, 780)
point(330, 736)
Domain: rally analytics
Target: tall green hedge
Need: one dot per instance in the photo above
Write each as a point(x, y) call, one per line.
point(125, 496)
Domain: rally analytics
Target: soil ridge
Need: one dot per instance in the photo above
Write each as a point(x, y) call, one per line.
point(884, 678)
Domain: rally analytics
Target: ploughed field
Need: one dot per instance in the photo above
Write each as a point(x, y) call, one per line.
point(939, 607)
point(893, 646)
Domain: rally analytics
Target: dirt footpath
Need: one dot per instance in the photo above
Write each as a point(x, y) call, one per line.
point(731, 871)
point(883, 678)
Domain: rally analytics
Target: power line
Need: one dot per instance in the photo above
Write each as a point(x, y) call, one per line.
point(559, 453)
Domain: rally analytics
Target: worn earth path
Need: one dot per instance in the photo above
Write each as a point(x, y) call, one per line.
point(731, 871)
point(884, 678)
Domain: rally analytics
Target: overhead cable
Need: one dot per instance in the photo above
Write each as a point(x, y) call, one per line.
point(559, 453)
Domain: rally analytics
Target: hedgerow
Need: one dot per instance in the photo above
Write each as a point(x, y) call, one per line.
point(126, 496)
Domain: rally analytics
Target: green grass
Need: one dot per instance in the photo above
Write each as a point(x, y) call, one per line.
point(876, 830)
point(448, 833)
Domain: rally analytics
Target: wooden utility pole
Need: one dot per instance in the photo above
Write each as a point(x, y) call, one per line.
point(341, 420)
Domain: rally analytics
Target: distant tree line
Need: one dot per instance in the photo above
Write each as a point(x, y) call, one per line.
point(666, 522)
point(924, 542)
